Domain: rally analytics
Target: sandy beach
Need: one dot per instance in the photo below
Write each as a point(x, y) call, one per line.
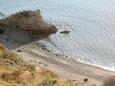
point(64, 67)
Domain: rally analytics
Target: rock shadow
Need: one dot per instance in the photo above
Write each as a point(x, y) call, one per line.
point(13, 38)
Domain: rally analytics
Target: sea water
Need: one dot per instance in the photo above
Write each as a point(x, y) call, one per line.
point(91, 24)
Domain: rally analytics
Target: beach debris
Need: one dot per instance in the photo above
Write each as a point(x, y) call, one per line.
point(30, 21)
point(65, 32)
point(110, 81)
point(86, 80)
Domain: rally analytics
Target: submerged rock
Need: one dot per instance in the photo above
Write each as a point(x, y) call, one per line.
point(65, 32)
point(30, 21)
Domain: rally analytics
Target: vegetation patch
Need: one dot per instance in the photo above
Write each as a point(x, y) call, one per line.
point(16, 72)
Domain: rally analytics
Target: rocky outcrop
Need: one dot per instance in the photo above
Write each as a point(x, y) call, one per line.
point(30, 21)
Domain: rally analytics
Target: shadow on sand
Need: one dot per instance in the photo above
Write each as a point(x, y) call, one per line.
point(13, 38)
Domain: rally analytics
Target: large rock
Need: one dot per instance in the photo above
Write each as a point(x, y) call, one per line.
point(30, 21)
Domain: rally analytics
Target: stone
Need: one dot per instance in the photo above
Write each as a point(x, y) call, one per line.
point(65, 32)
point(30, 21)
point(86, 80)
point(19, 50)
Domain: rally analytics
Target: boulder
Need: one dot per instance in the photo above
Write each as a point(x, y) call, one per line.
point(30, 21)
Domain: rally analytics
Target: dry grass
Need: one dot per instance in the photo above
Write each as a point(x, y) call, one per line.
point(16, 72)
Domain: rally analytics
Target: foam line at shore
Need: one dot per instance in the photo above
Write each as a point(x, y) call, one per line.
point(95, 65)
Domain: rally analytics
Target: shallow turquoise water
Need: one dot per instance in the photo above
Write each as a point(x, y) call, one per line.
point(91, 22)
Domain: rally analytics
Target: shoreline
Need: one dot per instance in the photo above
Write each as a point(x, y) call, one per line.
point(95, 65)
point(78, 60)
point(64, 67)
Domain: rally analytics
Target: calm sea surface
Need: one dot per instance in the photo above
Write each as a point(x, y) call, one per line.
point(91, 22)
